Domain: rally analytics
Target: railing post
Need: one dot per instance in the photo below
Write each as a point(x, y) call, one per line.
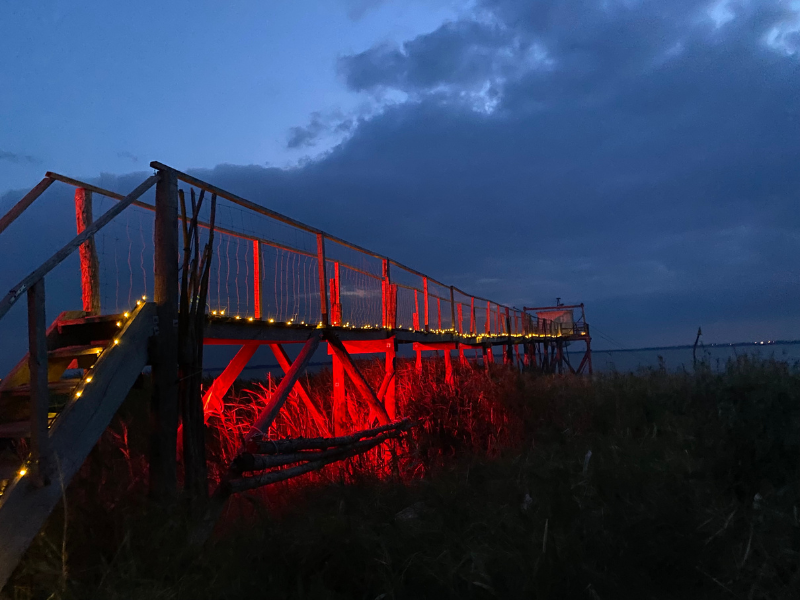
point(164, 404)
point(425, 292)
point(257, 300)
point(40, 396)
point(323, 294)
point(453, 312)
point(90, 268)
point(439, 314)
point(385, 292)
point(488, 317)
point(460, 322)
point(415, 323)
point(473, 322)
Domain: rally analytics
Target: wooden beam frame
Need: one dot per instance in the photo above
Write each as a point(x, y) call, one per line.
point(357, 378)
point(286, 364)
point(213, 398)
point(90, 266)
point(278, 399)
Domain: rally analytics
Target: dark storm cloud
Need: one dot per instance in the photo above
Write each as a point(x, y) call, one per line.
point(14, 157)
point(625, 154)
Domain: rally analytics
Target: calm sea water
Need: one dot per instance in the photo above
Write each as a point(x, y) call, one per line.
point(676, 358)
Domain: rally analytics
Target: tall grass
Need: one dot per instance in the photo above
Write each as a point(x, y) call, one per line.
point(643, 485)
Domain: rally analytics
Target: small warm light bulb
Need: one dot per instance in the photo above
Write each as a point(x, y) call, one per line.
point(272, 320)
point(23, 471)
point(78, 394)
point(222, 312)
point(213, 312)
point(119, 323)
point(138, 303)
point(238, 317)
point(249, 318)
point(144, 297)
point(116, 342)
point(88, 379)
point(126, 315)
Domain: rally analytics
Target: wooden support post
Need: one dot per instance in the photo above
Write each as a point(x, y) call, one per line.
point(448, 367)
point(257, 299)
point(418, 363)
point(415, 324)
point(276, 402)
point(439, 314)
point(425, 292)
point(488, 325)
point(90, 267)
point(473, 323)
point(393, 306)
point(323, 294)
point(385, 294)
point(358, 379)
point(510, 347)
point(286, 364)
point(213, 400)
point(339, 397)
point(462, 359)
point(40, 396)
point(459, 323)
point(453, 312)
point(336, 297)
point(390, 395)
point(164, 404)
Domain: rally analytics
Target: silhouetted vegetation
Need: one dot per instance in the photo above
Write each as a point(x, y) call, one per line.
point(653, 484)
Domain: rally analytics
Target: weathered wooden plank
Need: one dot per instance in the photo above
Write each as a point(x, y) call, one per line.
point(259, 462)
point(276, 402)
point(358, 379)
point(17, 291)
point(249, 483)
point(258, 446)
point(25, 506)
point(24, 203)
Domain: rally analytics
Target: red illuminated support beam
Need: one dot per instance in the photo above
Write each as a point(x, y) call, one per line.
point(278, 399)
point(323, 292)
point(488, 325)
point(473, 323)
point(358, 379)
point(90, 267)
point(213, 398)
point(416, 311)
point(285, 364)
point(257, 280)
point(425, 292)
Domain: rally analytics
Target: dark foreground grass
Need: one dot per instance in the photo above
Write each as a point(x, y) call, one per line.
point(647, 485)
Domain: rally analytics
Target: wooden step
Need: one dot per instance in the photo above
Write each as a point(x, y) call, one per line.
point(60, 387)
point(76, 351)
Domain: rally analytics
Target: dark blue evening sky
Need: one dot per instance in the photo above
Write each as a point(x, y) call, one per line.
point(638, 155)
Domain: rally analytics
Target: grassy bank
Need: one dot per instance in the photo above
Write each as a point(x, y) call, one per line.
point(646, 485)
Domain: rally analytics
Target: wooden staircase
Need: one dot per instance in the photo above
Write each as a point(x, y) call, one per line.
point(109, 352)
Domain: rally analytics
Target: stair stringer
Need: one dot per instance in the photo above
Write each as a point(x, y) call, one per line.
point(24, 507)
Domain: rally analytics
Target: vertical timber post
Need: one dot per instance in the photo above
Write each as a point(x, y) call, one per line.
point(488, 326)
point(164, 402)
point(425, 292)
point(257, 300)
point(40, 396)
point(390, 398)
point(416, 310)
point(90, 267)
point(323, 294)
point(473, 324)
point(453, 312)
point(386, 292)
point(339, 397)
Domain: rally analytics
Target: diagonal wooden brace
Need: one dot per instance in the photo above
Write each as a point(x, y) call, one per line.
point(278, 399)
point(358, 379)
point(283, 361)
point(212, 400)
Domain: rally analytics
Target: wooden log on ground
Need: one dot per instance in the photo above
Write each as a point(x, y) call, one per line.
point(258, 462)
point(248, 483)
point(257, 446)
